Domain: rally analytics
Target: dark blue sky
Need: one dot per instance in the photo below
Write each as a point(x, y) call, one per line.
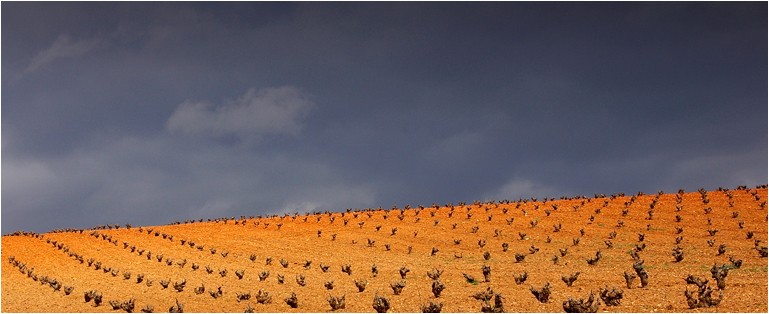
point(147, 113)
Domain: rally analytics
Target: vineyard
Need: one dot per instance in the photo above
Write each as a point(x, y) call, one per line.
point(695, 251)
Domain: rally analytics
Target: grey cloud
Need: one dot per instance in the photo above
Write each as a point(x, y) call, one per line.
point(519, 187)
point(63, 47)
point(257, 112)
point(719, 169)
point(24, 179)
point(160, 180)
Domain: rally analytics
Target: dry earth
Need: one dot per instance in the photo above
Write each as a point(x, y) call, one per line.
point(335, 239)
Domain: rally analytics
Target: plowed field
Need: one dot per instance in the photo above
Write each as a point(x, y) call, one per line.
point(396, 238)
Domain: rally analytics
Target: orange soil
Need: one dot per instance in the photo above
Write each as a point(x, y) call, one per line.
point(298, 240)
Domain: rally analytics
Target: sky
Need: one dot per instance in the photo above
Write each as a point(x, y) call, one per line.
point(149, 113)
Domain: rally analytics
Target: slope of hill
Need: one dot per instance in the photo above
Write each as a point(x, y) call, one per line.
point(600, 238)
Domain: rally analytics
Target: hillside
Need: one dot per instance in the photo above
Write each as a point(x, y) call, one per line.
point(544, 239)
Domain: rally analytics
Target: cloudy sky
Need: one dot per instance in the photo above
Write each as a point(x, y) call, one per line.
point(147, 113)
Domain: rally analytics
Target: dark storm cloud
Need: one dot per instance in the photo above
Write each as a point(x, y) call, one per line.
point(146, 113)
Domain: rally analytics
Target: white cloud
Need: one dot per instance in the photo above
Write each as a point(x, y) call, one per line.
point(267, 111)
point(62, 47)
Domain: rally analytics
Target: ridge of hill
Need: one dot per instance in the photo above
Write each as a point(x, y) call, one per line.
point(480, 250)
